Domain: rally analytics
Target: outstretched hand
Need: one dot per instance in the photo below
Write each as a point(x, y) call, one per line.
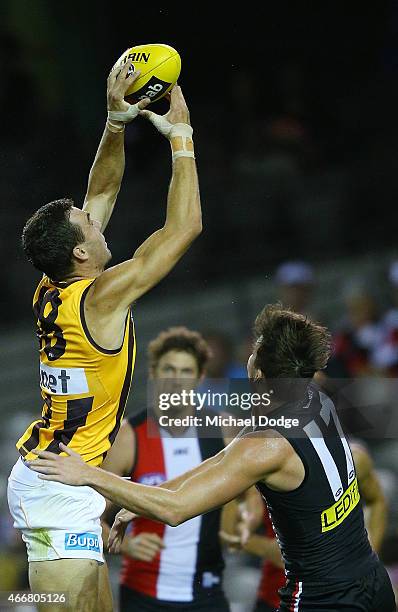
point(177, 113)
point(119, 81)
point(116, 534)
point(70, 470)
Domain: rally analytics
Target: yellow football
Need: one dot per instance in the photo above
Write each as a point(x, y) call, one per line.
point(160, 67)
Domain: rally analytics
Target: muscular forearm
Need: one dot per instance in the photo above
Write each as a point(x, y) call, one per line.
point(173, 506)
point(175, 483)
point(155, 503)
point(130, 495)
point(183, 202)
point(106, 173)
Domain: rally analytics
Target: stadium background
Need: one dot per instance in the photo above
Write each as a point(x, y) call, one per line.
point(294, 112)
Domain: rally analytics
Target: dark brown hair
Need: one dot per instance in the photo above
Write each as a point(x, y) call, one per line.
point(179, 339)
point(288, 344)
point(49, 237)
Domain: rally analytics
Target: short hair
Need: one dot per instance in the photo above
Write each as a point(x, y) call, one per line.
point(179, 339)
point(49, 237)
point(289, 345)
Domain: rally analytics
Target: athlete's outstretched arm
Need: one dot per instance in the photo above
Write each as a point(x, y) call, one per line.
point(243, 463)
point(124, 517)
point(116, 288)
point(107, 171)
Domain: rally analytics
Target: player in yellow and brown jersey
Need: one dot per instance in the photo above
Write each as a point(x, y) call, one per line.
point(87, 345)
point(84, 386)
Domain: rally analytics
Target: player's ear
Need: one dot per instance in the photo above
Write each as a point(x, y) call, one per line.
point(80, 253)
point(251, 370)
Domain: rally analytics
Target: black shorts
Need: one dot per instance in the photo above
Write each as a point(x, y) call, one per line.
point(371, 593)
point(262, 606)
point(131, 601)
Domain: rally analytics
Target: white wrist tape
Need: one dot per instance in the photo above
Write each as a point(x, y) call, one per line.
point(180, 137)
point(181, 129)
point(124, 116)
point(184, 153)
point(115, 129)
point(169, 129)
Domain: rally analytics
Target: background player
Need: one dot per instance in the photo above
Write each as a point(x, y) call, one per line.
point(308, 481)
point(164, 566)
point(87, 346)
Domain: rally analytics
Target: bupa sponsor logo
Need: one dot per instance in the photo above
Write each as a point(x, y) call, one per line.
point(152, 479)
point(336, 514)
point(63, 381)
point(82, 541)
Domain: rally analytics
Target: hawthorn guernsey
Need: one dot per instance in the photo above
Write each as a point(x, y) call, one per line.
point(84, 388)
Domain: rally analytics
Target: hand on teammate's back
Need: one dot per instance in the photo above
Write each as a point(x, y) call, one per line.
point(70, 470)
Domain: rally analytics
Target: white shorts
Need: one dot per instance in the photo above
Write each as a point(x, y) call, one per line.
point(57, 521)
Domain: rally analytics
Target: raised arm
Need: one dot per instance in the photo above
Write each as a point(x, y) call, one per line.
point(107, 171)
point(116, 288)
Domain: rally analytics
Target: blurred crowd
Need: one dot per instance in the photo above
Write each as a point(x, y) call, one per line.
point(365, 337)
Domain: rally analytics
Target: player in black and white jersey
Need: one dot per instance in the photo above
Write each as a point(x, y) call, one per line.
point(307, 479)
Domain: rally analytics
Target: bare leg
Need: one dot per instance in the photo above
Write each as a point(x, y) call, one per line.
point(78, 578)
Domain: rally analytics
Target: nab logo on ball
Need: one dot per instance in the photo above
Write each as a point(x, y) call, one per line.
point(153, 89)
point(82, 541)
